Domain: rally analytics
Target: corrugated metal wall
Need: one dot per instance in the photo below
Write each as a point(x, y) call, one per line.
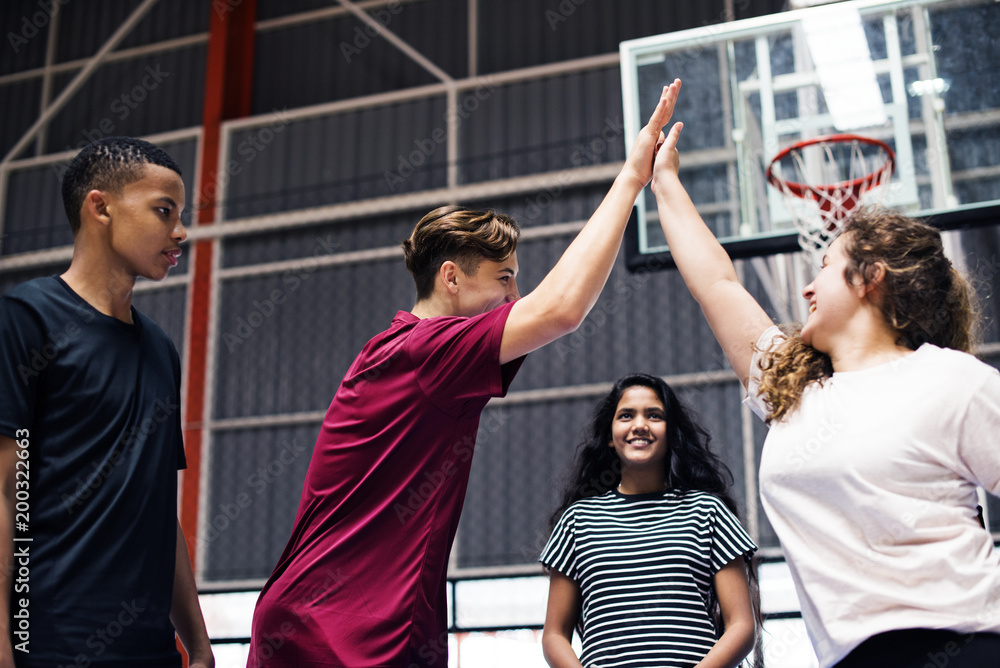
point(278, 362)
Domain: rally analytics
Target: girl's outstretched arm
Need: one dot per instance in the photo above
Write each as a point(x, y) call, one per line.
point(736, 319)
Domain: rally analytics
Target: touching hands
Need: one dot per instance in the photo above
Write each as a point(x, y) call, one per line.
point(667, 161)
point(639, 163)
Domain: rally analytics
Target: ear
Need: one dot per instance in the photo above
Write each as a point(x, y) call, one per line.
point(448, 273)
point(875, 277)
point(95, 206)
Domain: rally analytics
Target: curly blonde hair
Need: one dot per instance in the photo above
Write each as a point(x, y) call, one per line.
point(922, 297)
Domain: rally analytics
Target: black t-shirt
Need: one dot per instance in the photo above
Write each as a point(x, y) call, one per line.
point(100, 400)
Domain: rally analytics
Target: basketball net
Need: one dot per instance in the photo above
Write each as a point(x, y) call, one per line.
point(825, 179)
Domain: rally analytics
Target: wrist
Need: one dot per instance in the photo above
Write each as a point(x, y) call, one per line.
point(663, 182)
point(629, 182)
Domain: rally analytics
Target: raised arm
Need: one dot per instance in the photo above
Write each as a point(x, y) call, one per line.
point(736, 319)
point(565, 296)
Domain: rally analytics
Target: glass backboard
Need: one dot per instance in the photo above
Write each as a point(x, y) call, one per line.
point(922, 76)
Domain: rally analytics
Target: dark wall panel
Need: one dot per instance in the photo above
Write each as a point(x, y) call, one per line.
point(295, 164)
point(25, 35)
point(84, 27)
point(253, 493)
point(522, 33)
point(148, 95)
point(339, 58)
point(18, 111)
point(565, 122)
point(288, 355)
point(316, 241)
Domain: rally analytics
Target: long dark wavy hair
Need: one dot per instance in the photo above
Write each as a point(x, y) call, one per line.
point(690, 465)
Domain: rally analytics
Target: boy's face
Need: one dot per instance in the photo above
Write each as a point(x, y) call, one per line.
point(146, 229)
point(493, 284)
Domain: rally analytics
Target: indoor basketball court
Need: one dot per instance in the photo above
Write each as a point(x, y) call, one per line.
point(313, 134)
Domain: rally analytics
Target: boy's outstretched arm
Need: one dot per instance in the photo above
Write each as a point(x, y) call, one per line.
point(565, 296)
point(736, 319)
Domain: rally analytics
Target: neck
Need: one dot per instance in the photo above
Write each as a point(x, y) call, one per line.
point(864, 352)
point(104, 287)
point(432, 307)
point(641, 482)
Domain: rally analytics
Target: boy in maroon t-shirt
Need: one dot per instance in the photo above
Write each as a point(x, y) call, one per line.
point(362, 579)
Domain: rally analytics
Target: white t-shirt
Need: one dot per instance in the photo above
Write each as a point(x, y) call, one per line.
point(870, 485)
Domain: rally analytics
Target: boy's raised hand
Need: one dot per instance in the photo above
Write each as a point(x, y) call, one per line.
point(640, 160)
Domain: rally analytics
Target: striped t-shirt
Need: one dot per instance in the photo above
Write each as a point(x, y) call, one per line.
point(644, 564)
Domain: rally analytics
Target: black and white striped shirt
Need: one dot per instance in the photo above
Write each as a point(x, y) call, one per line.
point(644, 564)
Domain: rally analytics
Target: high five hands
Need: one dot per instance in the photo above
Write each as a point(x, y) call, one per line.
point(647, 145)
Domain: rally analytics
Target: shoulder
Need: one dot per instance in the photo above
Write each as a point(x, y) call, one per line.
point(961, 368)
point(591, 504)
point(33, 291)
point(704, 502)
point(484, 322)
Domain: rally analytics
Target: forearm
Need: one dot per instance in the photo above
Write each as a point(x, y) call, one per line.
point(573, 286)
point(8, 460)
point(700, 258)
point(185, 611)
point(734, 646)
point(558, 651)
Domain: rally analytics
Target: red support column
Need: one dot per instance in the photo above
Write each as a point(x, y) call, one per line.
point(228, 89)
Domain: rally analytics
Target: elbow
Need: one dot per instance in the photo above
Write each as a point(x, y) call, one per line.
point(746, 637)
point(568, 318)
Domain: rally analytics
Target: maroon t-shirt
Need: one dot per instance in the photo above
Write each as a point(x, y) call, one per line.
point(362, 580)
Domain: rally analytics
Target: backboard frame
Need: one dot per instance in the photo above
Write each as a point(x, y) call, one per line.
point(763, 224)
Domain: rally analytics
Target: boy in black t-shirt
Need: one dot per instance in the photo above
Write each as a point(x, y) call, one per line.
point(90, 435)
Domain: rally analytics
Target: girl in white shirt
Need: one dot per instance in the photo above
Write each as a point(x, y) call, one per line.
point(881, 427)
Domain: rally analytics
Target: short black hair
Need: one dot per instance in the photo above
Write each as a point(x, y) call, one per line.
point(108, 164)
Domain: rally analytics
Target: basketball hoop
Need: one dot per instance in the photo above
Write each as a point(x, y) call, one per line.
point(824, 179)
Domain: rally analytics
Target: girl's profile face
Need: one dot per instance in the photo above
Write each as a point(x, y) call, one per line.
point(639, 428)
point(832, 300)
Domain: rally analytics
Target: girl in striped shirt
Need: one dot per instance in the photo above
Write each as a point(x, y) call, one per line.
point(647, 560)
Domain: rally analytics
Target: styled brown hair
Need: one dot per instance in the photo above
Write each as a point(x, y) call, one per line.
point(921, 296)
point(464, 236)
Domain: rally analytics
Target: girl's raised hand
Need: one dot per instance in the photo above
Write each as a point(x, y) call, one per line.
point(640, 160)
